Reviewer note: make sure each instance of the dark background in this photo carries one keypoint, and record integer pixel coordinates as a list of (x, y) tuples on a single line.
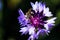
[(11, 27)]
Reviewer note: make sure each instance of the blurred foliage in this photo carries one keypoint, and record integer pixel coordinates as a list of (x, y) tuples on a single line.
[(0, 16), (55, 1), (1, 28), (0, 5), (1, 33), (58, 17), (1, 9), (13, 3), (10, 38), (25, 5)]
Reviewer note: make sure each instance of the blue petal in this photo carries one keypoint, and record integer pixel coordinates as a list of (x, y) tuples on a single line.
[(21, 13), (22, 18)]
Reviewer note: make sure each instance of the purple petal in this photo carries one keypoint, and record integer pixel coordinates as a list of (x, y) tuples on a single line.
[(22, 18), (46, 12), (32, 4), (41, 6), (24, 30), (42, 32), (31, 30), (52, 20), (35, 6), (31, 37), (50, 23)]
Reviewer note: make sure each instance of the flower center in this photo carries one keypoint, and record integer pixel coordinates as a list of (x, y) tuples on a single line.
[(37, 19), (34, 21)]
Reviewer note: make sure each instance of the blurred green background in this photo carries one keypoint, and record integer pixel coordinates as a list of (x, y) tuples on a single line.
[(9, 26)]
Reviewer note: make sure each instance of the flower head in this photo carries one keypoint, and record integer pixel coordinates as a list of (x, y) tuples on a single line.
[(36, 20)]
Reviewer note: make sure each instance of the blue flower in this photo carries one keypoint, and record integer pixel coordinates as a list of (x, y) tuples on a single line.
[(36, 20)]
